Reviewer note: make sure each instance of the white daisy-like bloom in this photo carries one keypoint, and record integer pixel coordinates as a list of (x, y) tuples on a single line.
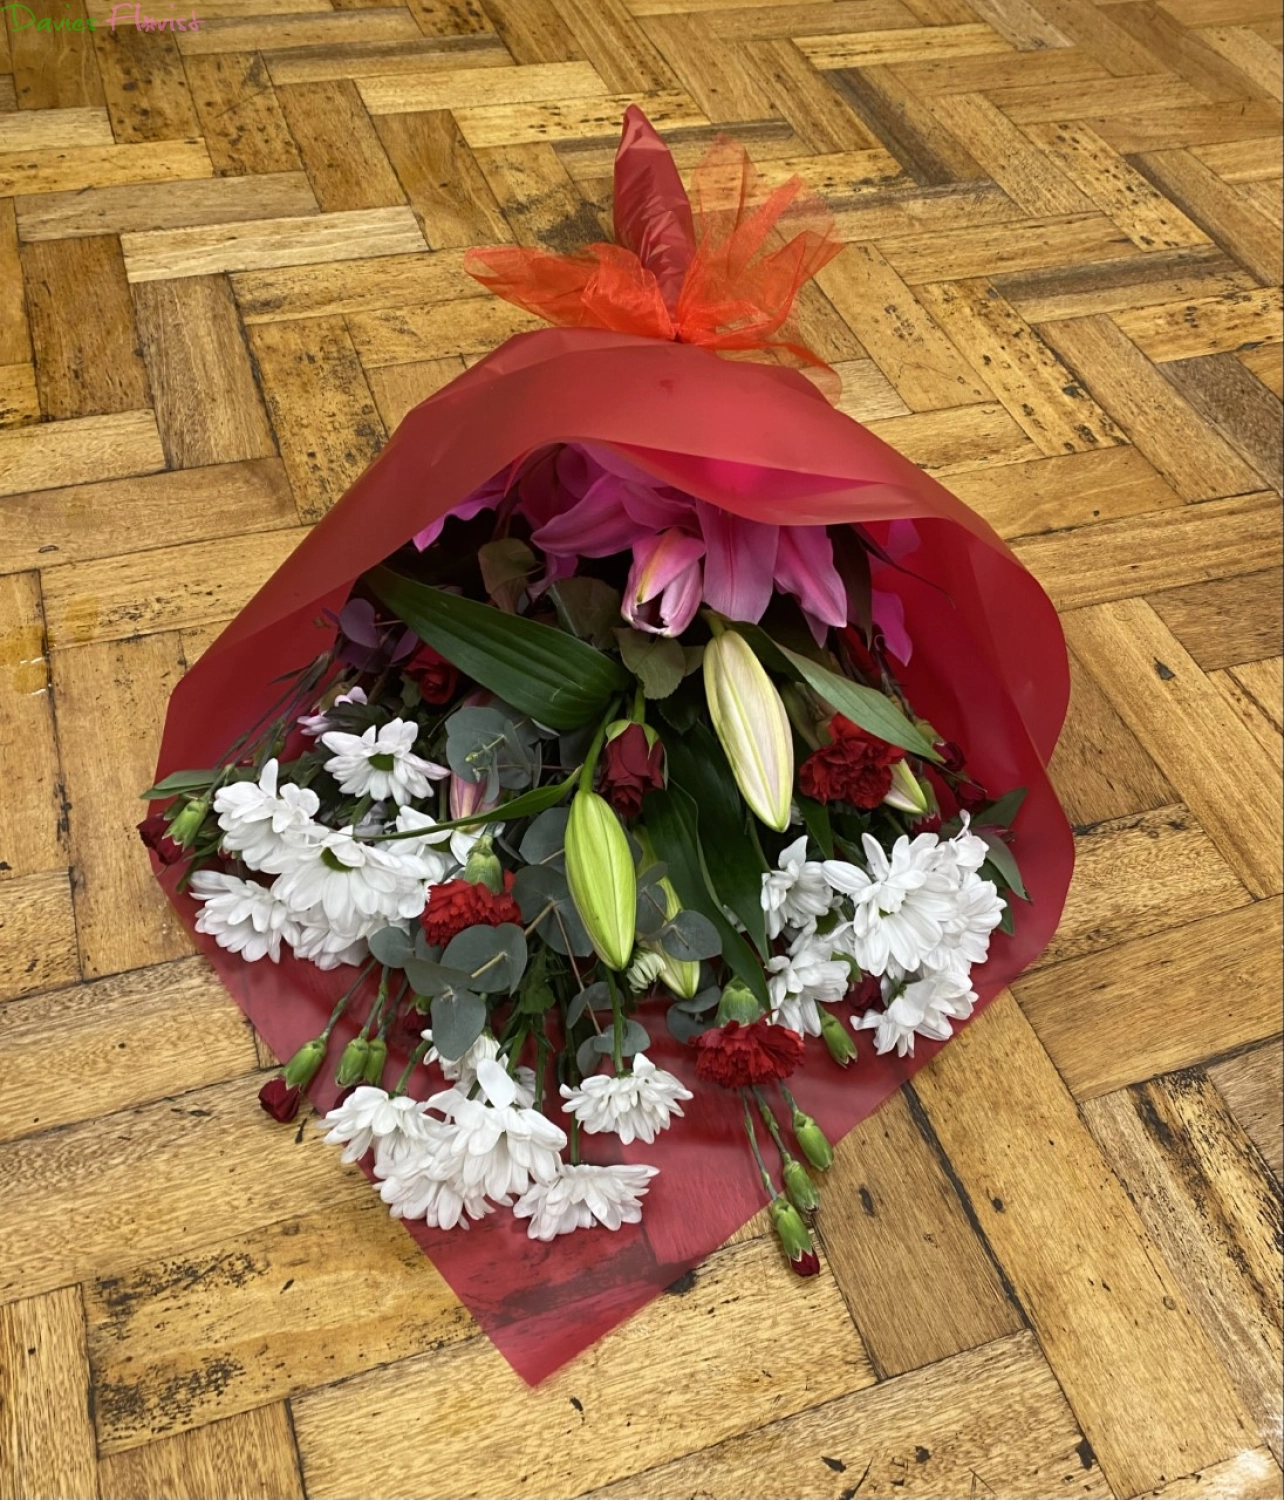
[(422, 1192), (264, 823), (315, 939), (357, 885), (579, 1197), (635, 1106), (422, 857), (967, 852), (802, 979), (315, 725), (500, 1145), (381, 762), (977, 911), (924, 1007), (399, 1130), (463, 1069), (241, 916), (899, 903), (797, 893)]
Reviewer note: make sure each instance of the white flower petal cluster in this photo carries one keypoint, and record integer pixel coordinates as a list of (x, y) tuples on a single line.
[(315, 725), (241, 915), (499, 1144), (262, 824), (381, 762), (369, 1119), (922, 1007), (635, 1106), (808, 975), (796, 894), (579, 1197)]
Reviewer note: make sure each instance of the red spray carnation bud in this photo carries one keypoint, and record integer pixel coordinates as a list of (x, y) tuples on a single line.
[(154, 832), (459, 904), (436, 678), (279, 1100), (736, 1055), (632, 766), (854, 767)]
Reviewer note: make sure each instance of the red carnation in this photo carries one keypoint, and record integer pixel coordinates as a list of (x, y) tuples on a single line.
[(735, 1055), (854, 767), (279, 1100), (154, 832), (435, 677), (459, 904), (631, 767)]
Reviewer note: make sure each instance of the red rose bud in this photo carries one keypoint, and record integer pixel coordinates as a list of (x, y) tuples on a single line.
[(279, 1099), (800, 1188), (154, 832), (632, 766), (812, 1141), (376, 1057), (854, 767), (352, 1065), (869, 991), (841, 1044), (794, 1238), (435, 677), (302, 1067)]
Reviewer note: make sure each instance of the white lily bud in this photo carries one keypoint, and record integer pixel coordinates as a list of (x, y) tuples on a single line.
[(751, 722), (907, 794)]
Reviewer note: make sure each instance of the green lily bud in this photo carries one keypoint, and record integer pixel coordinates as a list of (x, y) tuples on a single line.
[(738, 1003), (303, 1066), (794, 1237), (352, 1065), (375, 1059), (682, 975), (188, 823), (812, 1141), (751, 722), (841, 1043), (600, 873), (907, 795), (483, 866), (801, 1189)]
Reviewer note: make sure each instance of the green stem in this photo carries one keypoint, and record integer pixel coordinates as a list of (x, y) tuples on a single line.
[(345, 998), (416, 1057), (575, 1141), (639, 705), (589, 768), (767, 1183), (617, 1021), (773, 1128)]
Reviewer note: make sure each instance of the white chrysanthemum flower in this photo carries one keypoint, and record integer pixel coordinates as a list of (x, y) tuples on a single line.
[(923, 1008), (355, 884), (463, 1069), (241, 916), (797, 893), (399, 1130), (500, 1145), (315, 939), (967, 852), (636, 1106), (581, 1196), (424, 1193), (315, 725), (263, 823), (977, 911), (807, 976), (381, 762), (899, 903)]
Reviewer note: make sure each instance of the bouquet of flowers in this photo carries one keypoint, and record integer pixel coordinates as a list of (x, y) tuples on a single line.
[(636, 763)]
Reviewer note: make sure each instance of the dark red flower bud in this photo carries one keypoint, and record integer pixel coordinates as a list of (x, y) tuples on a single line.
[(279, 1100), (436, 678), (154, 832), (632, 766), (806, 1264), (855, 767), (868, 992)]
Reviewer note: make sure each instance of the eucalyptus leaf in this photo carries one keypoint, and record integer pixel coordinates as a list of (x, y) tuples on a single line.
[(1002, 813), (506, 564), (683, 1026), (430, 978), (636, 1038), (392, 946), (689, 937), (587, 1055), (594, 997), (706, 1000), (657, 661), (542, 671), (493, 957), (457, 1021), (544, 841), (534, 889), (652, 910)]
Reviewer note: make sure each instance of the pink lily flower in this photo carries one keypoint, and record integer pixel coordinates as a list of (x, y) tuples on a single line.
[(666, 575)]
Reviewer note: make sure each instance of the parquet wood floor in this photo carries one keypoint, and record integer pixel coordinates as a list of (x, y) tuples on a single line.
[(229, 263)]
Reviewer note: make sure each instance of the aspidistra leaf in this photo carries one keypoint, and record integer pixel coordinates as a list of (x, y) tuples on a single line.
[(871, 710)]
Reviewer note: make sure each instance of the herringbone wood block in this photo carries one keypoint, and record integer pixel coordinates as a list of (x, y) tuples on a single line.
[(230, 261)]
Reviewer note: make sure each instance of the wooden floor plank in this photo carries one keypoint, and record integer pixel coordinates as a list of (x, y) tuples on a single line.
[(1251, 1084), (31, 832), (250, 1455)]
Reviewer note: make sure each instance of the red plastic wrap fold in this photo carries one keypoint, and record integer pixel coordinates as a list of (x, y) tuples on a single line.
[(989, 670), (723, 272)]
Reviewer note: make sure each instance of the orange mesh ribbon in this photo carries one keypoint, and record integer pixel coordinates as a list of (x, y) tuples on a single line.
[(722, 268)]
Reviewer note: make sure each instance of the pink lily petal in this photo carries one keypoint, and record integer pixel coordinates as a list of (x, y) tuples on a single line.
[(657, 561), (805, 568), (486, 498), (889, 616), (679, 602), (659, 507), (595, 526), (739, 563)]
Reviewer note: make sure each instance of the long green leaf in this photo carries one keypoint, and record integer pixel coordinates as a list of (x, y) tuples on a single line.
[(560, 681), (671, 822), (537, 800), (872, 710)]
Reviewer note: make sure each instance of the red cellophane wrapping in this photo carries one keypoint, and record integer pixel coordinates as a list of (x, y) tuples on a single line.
[(633, 369)]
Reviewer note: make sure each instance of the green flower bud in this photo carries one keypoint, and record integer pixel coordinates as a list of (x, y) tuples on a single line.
[(483, 866), (841, 1043), (375, 1059), (303, 1066), (352, 1065), (801, 1189), (185, 827), (682, 975), (738, 1003), (794, 1237), (603, 882), (907, 794), (751, 722), (812, 1141)]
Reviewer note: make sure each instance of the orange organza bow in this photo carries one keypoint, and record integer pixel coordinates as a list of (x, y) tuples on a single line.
[(723, 271)]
